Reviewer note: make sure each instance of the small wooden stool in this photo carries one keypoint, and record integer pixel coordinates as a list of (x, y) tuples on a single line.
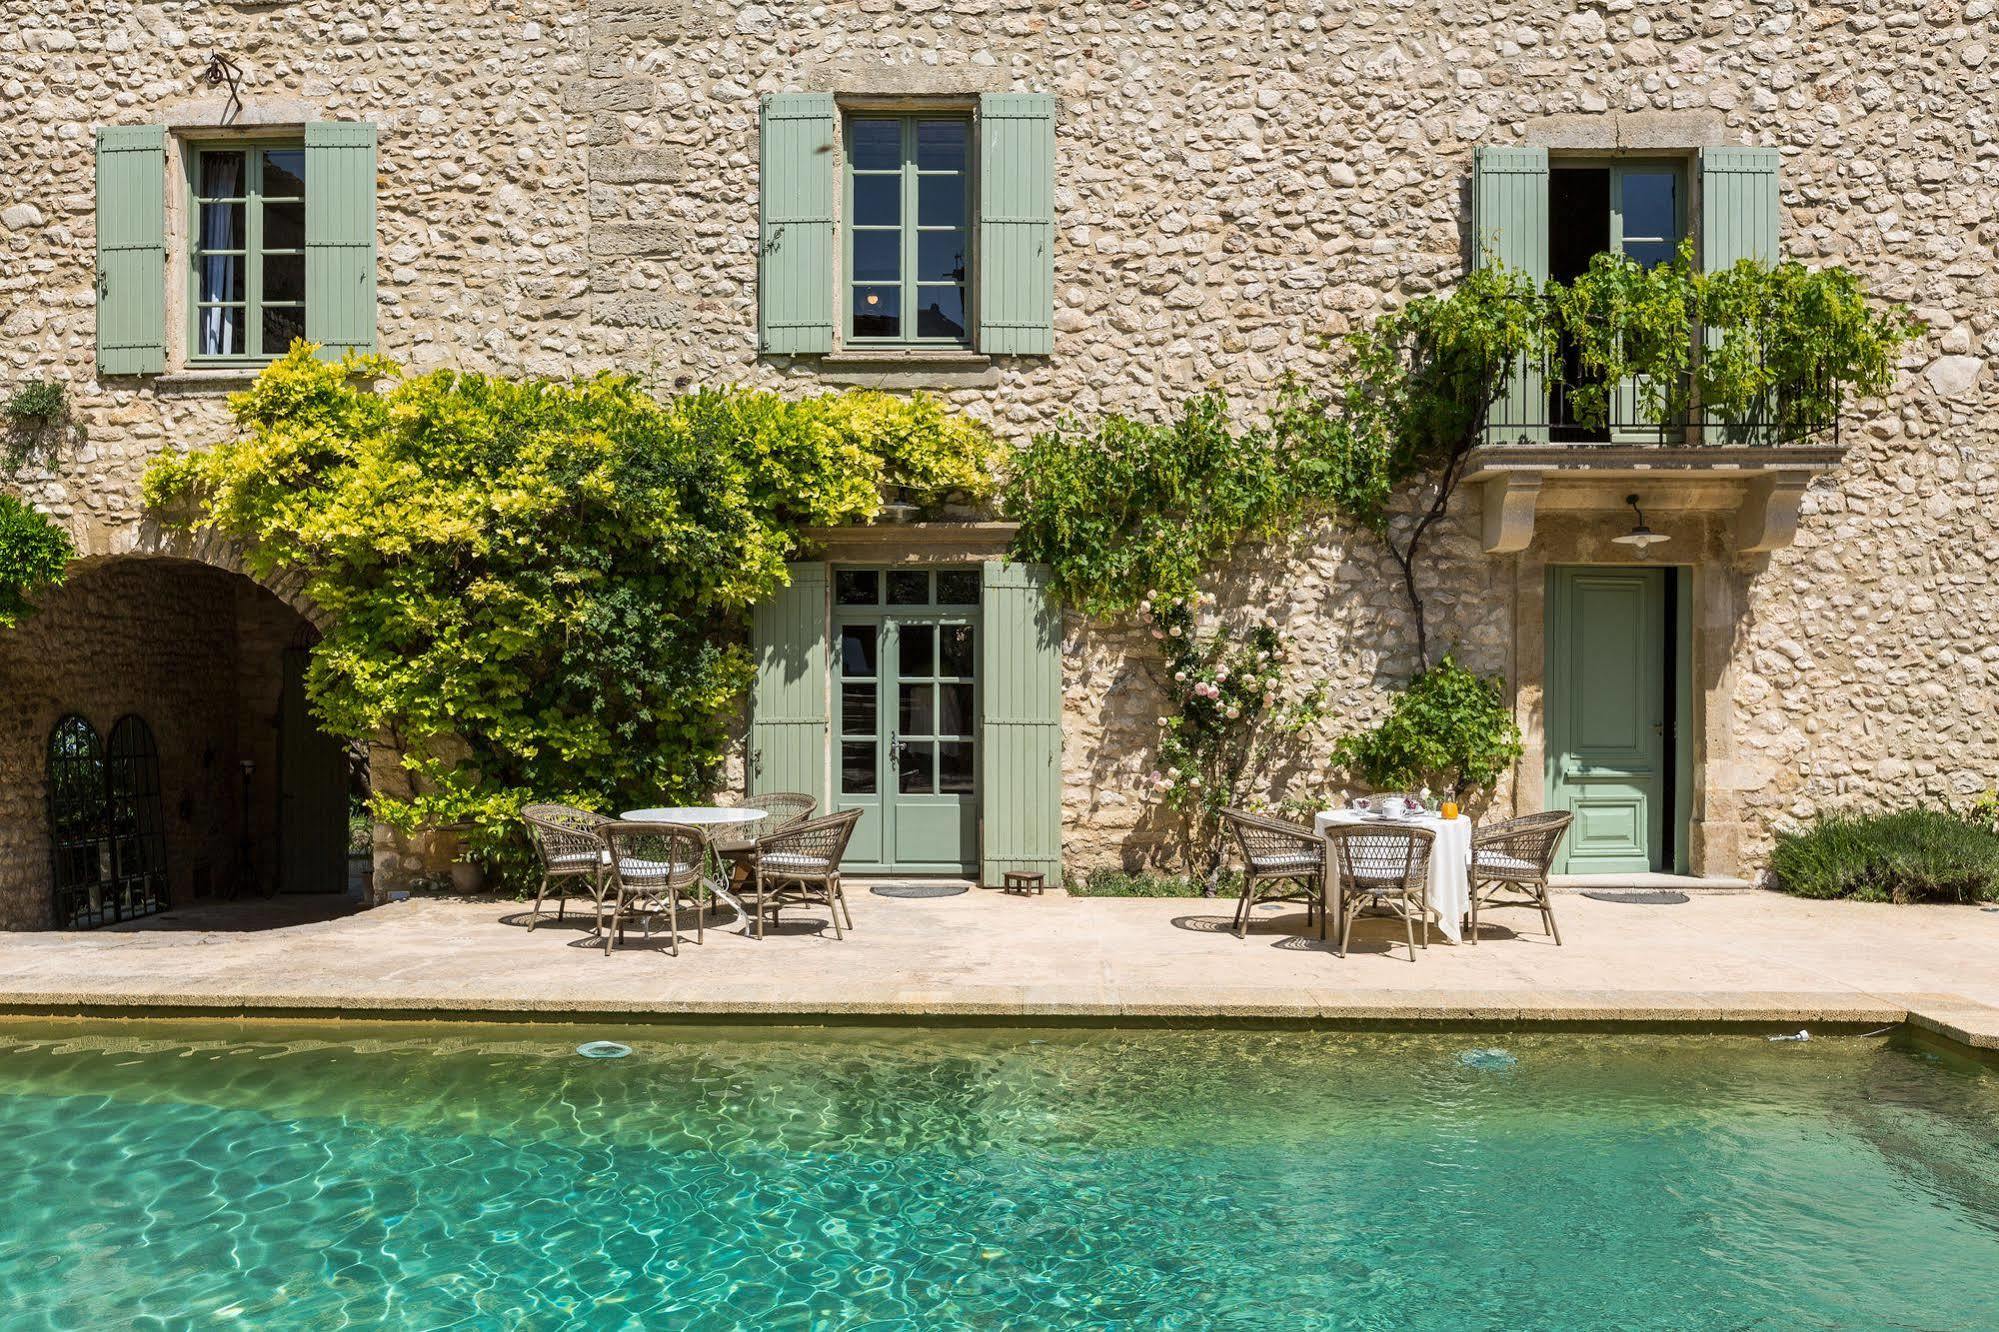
[(1020, 881)]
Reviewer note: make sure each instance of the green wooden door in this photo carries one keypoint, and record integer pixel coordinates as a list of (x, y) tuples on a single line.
[(906, 708), (1607, 757), (312, 793)]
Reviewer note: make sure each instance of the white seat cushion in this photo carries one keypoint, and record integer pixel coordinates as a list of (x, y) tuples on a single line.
[(1495, 865), (572, 859), (791, 860), (1299, 860), (632, 868)]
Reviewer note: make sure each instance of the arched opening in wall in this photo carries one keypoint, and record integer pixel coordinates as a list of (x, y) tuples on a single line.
[(166, 770)]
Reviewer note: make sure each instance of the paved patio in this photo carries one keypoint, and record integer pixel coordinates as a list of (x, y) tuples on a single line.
[(1724, 956)]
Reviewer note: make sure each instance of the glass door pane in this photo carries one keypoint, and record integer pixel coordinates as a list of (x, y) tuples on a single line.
[(860, 713)]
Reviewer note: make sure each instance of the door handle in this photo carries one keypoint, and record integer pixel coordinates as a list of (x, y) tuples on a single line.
[(894, 751)]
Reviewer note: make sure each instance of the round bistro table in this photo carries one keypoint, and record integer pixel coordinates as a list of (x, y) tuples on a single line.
[(707, 817)]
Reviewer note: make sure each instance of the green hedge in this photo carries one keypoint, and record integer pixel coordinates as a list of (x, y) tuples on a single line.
[(1147, 883), (1912, 855)]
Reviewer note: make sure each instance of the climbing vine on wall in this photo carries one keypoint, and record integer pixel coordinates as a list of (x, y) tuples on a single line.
[(34, 555), (535, 588)]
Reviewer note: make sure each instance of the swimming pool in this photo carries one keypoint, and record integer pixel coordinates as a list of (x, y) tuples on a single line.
[(484, 1176)]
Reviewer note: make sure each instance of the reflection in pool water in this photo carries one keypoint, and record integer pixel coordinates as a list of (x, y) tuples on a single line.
[(480, 1176)]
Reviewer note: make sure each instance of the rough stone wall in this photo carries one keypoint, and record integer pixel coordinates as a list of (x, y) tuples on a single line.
[(566, 186)]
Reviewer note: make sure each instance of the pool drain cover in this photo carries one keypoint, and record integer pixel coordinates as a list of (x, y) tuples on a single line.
[(918, 889), (1645, 897), (603, 1050)]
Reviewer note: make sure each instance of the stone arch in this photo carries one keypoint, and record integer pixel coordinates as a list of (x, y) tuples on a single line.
[(150, 538)]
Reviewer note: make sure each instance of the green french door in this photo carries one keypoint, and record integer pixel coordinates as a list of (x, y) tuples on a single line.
[(905, 702), (1618, 689)]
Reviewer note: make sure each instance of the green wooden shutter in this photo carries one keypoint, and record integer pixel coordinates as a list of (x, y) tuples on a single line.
[(1020, 723), (1738, 206), (131, 249), (1739, 221), (1016, 289), (788, 711), (1509, 208), (795, 206), (340, 236)]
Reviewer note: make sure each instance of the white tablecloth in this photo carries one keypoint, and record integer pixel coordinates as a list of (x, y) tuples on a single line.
[(1449, 890)]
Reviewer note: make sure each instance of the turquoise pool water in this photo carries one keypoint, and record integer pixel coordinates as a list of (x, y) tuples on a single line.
[(156, 1175)]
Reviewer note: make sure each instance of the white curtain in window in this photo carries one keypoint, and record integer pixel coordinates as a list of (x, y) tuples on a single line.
[(222, 275)]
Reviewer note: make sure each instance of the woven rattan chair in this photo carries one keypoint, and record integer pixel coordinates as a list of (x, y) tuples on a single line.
[(1510, 862), (1281, 862), (653, 867), (781, 810), (801, 866), (567, 840), (1384, 866)]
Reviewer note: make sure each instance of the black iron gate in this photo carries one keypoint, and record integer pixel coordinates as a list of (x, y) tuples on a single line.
[(106, 836)]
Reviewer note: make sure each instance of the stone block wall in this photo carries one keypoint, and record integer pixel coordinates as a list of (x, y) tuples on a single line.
[(571, 184)]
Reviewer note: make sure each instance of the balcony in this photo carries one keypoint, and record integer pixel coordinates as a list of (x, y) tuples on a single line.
[(1548, 459)]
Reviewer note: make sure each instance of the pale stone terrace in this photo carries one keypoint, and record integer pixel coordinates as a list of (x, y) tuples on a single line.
[(1724, 956)]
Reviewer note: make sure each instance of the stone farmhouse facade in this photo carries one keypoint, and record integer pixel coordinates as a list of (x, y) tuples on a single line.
[(1033, 209)]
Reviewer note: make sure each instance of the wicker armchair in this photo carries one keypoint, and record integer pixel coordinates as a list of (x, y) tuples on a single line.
[(1281, 862), (567, 840), (781, 810), (654, 866), (1510, 862), (801, 866), (1384, 867)]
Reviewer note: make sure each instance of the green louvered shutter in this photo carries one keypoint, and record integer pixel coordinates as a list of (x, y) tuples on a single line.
[(340, 236), (1016, 290), (1739, 214), (788, 711), (1020, 723), (131, 249), (795, 207), (1509, 208)]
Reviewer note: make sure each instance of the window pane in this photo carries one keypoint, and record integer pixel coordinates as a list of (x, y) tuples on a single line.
[(1650, 209), (877, 201), (875, 145), (954, 767), (282, 323), (877, 312), (221, 176), (940, 312), (857, 709), (941, 256), (916, 712), (219, 277), (857, 649), (284, 226), (222, 226), (917, 768), (940, 145), (940, 201), (954, 709), (877, 256), (855, 587), (958, 651), (857, 767), (284, 278), (918, 654), (909, 587), (218, 331), (284, 172), (958, 587)]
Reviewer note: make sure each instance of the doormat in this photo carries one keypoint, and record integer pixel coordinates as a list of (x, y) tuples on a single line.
[(919, 889), (1638, 897)]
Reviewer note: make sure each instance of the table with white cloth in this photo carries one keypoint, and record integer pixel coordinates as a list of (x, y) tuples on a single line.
[(703, 818), (1448, 893)]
